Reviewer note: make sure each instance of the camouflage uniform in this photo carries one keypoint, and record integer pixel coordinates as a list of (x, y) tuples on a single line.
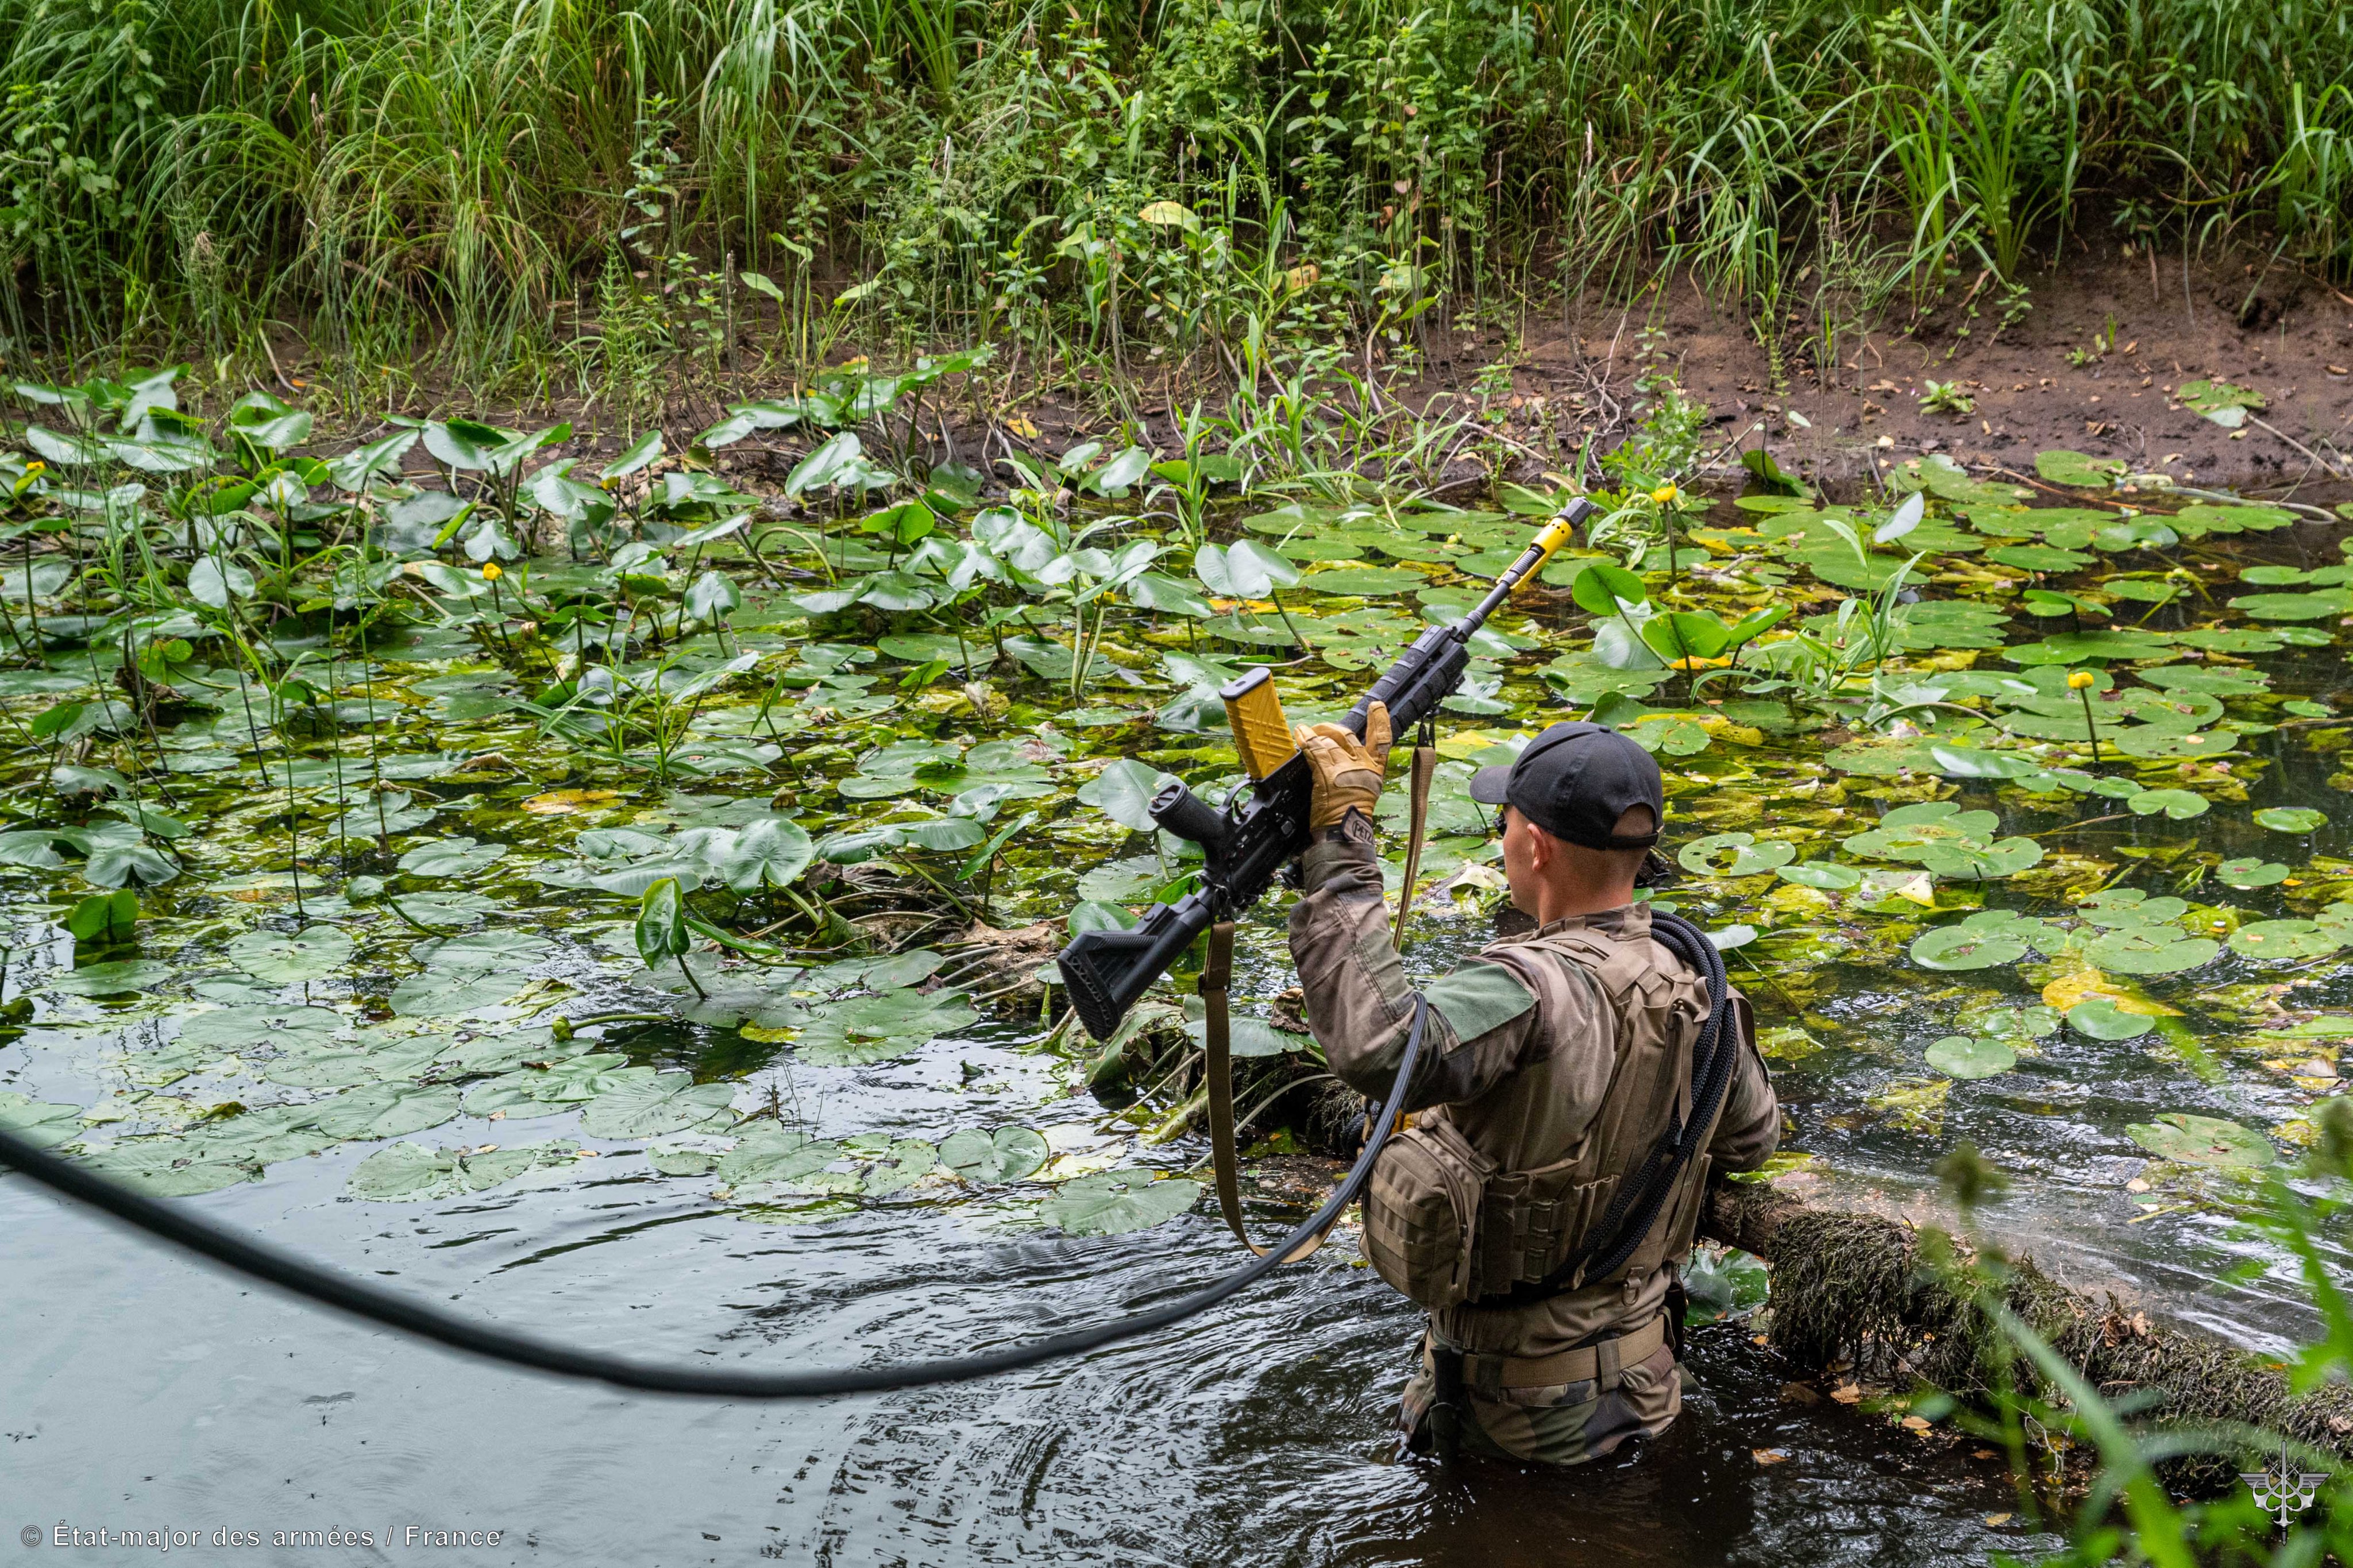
[(1520, 1055)]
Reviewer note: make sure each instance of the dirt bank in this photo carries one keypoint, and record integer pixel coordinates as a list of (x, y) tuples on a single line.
[(2284, 334)]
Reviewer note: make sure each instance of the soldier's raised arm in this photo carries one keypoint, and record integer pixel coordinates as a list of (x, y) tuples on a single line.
[(1359, 1003)]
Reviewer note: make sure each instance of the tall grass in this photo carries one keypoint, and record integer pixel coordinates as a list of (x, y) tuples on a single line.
[(434, 186)]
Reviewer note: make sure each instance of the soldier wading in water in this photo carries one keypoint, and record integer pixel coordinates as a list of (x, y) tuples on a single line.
[(1552, 1064)]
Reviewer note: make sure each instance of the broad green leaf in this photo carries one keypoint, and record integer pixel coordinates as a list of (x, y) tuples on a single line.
[(902, 1163), (1008, 1154), (1110, 1203), (1969, 1057), (666, 1102), (451, 857), (2143, 949), (2102, 1019), (113, 979), (384, 1111), (1124, 792), (2203, 1140), (2221, 402), (1734, 854), (482, 952), (2282, 940), (260, 1028), (869, 1029), (2290, 819), (114, 865), (45, 1124), (2178, 804), (769, 853), (2077, 468), (1964, 947), (410, 1172), (288, 958), (560, 1086), (1599, 588), (168, 1168), (330, 1066)]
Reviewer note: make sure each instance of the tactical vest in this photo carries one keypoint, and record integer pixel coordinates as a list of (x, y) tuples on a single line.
[(1444, 1225)]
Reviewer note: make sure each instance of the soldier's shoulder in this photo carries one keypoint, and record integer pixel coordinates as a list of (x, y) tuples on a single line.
[(1481, 995)]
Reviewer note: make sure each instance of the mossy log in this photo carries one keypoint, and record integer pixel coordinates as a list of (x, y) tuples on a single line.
[(1851, 1285)]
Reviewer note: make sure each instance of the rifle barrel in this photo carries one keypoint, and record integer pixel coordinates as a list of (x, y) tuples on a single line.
[(1554, 535)]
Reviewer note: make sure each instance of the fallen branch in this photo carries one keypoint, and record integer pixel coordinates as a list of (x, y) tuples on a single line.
[(1852, 1286)]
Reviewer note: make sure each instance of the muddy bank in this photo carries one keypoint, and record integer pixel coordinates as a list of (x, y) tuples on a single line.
[(2088, 368)]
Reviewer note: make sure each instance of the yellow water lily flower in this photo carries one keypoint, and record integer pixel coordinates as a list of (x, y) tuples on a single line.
[(2078, 679), (1664, 494), (490, 573)]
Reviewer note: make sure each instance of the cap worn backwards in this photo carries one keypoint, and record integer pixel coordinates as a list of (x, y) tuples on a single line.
[(1575, 781)]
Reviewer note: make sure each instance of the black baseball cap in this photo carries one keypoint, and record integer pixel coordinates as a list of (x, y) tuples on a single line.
[(1575, 781)]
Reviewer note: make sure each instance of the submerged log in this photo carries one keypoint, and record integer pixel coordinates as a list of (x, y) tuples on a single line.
[(1848, 1285)]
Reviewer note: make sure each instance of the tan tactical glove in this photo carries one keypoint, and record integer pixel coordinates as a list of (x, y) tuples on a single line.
[(1349, 772)]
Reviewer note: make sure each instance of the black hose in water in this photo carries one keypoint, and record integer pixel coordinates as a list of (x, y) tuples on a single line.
[(335, 1288)]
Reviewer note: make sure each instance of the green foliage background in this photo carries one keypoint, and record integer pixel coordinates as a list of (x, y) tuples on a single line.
[(488, 177)]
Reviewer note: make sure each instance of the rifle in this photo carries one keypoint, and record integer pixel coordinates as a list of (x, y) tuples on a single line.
[(1250, 841)]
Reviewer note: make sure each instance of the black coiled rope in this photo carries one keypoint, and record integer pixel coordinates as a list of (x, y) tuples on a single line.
[(1634, 1208), (373, 1302)]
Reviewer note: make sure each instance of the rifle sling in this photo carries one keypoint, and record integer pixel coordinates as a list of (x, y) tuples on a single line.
[(1218, 1068), (1425, 766)]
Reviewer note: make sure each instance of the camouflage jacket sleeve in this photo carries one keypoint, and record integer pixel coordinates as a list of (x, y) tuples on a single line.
[(1359, 1004), (1750, 1126)]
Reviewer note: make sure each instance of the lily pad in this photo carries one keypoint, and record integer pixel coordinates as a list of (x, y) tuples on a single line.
[(260, 1028), (286, 958), (1965, 947), (880, 1029), (1970, 1056), (451, 857), (42, 1123), (1124, 792), (168, 1168), (2203, 1140), (384, 1111), (1110, 1203), (898, 1164), (349, 1066), (560, 1086), (115, 979), (1005, 1155), (1734, 854), (2102, 1019), (2142, 949), (2177, 805), (1824, 876), (646, 1108), (2285, 940), (410, 1172), (2290, 819)]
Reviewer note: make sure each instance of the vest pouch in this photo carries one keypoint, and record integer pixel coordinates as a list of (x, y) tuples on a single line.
[(1422, 1214)]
